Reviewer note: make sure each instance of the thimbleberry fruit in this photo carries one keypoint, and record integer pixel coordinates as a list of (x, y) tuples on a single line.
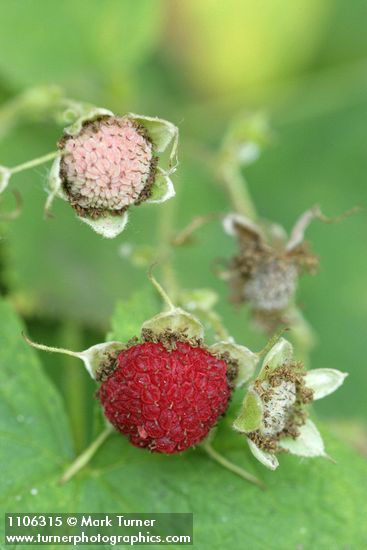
[(166, 400), (107, 166), (108, 163)]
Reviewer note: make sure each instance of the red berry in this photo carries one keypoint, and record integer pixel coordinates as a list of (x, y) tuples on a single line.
[(165, 400)]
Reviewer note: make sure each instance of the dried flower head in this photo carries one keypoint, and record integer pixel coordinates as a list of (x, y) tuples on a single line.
[(274, 414), (264, 273), (108, 163)]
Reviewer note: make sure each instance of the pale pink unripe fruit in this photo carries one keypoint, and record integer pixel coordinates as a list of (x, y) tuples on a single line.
[(108, 166)]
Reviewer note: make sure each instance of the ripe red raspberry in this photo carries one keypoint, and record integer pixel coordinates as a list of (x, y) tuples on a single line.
[(165, 400)]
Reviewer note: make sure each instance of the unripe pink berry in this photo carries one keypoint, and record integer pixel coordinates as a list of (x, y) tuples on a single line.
[(108, 166)]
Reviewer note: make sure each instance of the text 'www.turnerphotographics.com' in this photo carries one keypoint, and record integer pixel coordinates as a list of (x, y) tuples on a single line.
[(109, 529)]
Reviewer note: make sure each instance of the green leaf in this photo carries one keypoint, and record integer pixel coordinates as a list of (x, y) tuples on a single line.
[(308, 504), (130, 314), (35, 437)]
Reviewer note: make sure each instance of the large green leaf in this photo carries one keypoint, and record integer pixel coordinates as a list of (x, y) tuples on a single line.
[(308, 505), (35, 439)]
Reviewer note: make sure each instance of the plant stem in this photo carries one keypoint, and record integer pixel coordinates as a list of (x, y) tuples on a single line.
[(232, 467), (34, 162), (73, 382), (302, 334), (86, 455), (227, 170), (165, 231), (163, 294), (237, 189), (187, 233), (51, 349)]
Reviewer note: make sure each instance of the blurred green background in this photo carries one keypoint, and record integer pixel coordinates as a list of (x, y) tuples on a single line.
[(198, 64)]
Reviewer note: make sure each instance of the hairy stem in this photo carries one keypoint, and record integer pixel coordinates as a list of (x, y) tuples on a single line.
[(165, 231), (302, 334), (237, 189), (34, 162), (73, 381), (163, 294), (232, 467), (188, 232), (85, 457), (51, 349)]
